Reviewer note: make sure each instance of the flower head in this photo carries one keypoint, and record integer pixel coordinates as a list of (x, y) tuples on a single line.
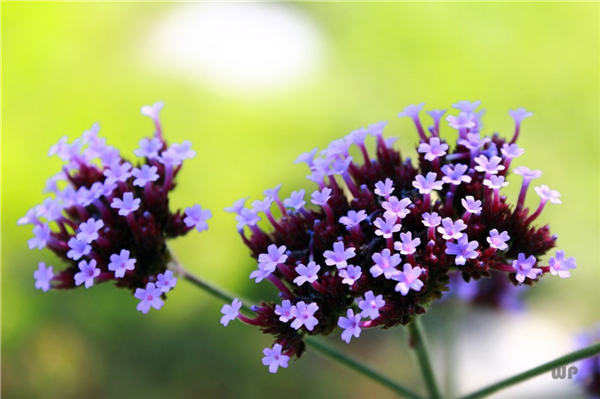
[(274, 359)]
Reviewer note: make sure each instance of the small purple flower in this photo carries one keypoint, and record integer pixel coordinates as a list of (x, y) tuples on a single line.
[(237, 206), (41, 234), (307, 273), (273, 257), (473, 142), (395, 207), (296, 200), (412, 111), (43, 275), (427, 184), (455, 174), (495, 182), (261, 273), (78, 249), (127, 205), (434, 149), (431, 220), (273, 192), (386, 228), (144, 175), (466, 106), (121, 263), (274, 359), (247, 217), (408, 279), (284, 311), (88, 231), (321, 197), (306, 157), (166, 282), (29, 218), (525, 268), (491, 166), (527, 173), (353, 219), (50, 209), (511, 151), (184, 150), (463, 250), (498, 240), (148, 148), (170, 158), (230, 312), (450, 230), (339, 256), (350, 325), (436, 115), (88, 272), (262, 206), (197, 217), (118, 172), (385, 263), (519, 114), (559, 265), (407, 246), (149, 297), (357, 137), (465, 120), (471, 205), (546, 194), (110, 156), (304, 315), (152, 111), (350, 274), (370, 305), (384, 189), (339, 166)]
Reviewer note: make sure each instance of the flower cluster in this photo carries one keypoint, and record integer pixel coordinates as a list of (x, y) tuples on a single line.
[(109, 219), (384, 235)]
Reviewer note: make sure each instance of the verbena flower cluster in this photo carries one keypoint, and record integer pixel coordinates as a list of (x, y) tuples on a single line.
[(109, 219), (383, 235)]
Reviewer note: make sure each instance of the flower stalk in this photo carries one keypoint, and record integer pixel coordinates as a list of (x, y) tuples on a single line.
[(417, 342)]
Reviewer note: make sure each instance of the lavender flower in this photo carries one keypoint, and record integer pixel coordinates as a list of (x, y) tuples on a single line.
[(230, 312), (149, 297), (350, 325), (43, 277), (274, 359), (371, 304), (307, 273)]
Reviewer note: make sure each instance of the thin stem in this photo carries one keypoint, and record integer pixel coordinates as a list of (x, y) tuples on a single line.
[(417, 342), (318, 345), (561, 361)]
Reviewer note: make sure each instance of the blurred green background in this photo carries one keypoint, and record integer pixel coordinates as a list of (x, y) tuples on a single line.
[(252, 86)]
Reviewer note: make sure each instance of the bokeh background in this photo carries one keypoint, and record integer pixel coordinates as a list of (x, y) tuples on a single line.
[(252, 86)]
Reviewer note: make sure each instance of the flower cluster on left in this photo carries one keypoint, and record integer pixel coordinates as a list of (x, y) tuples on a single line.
[(109, 219)]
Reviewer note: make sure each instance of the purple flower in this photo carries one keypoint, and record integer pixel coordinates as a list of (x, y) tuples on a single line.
[(396, 208), (152, 111), (431, 220), (471, 205), (350, 325), (353, 219), (473, 142), (498, 240), (321, 197), (41, 234), (230, 312), (385, 263), (165, 281), (339, 166), (466, 106), (273, 257), (284, 311), (495, 182), (386, 228), (262, 206), (307, 273), (339, 256), (511, 151), (525, 268), (78, 249), (121, 263), (144, 175), (559, 265), (304, 315), (408, 279), (451, 230), (273, 192), (455, 174), (43, 276), (50, 209), (436, 115), (428, 183), (519, 114), (463, 250), (274, 359), (88, 272), (434, 149), (237, 206), (149, 297), (296, 200), (350, 274), (370, 305), (357, 137), (527, 173), (197, 217), (412, 111), (384, 189), (247, 217), (463, 121), (491, 166), (407, 246), (29, 218), (127, 205), (118, 173), (546, 194), (184, 150), (88, 231), (149, 148), (306, 157)]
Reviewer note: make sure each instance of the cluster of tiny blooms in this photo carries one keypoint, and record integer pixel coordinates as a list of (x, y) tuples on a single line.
[(381, 235), (109, 219), (588, 370)]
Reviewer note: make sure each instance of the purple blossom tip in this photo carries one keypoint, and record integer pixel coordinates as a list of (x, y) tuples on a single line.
[(274, 359), (408, 279), (463, 250), (546, 194), (524, 268), (561, 266), (152, 110), (350, 325), (412, 111), (197, 217), (43, 276), (126, 205), (466, 106), (149, 297), (230, 312), (339, 256), (296, 200), (519, 114), (370, 305), (304, 315), (121, 263), (87, 273), (434, 149)]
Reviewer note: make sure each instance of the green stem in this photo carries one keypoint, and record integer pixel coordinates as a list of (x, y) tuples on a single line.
[(561, 361), (318, 345), (417, 342)]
